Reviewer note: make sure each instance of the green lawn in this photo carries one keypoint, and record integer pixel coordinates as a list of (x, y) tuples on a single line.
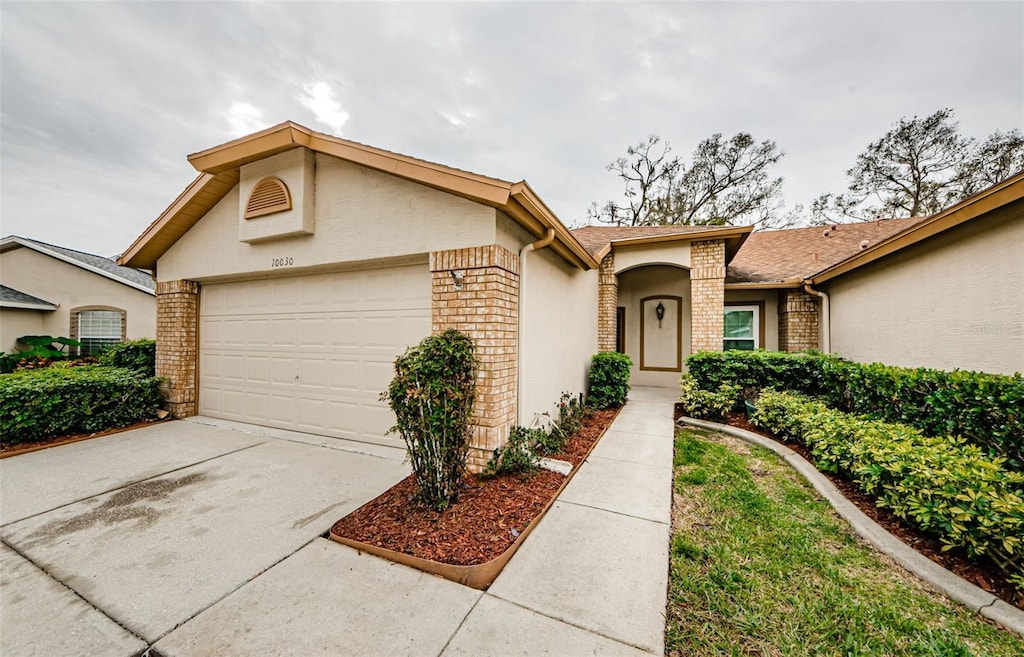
[(760, 565)]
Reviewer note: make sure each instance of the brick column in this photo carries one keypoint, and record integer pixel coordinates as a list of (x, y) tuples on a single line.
[(607, 304), (486, 308), (798, 321), (177, 345), (707, 295)]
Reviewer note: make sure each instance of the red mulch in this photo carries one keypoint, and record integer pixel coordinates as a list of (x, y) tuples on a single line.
[(488, 517), (24, 447), (985, 574)]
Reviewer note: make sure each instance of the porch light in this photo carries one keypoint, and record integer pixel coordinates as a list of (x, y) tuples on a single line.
[(660, 312), (457, 278)]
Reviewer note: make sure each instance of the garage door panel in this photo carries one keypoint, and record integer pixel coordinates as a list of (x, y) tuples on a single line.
[(311, 353)]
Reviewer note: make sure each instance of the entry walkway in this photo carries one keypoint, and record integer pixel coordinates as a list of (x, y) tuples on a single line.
[(591, 579)]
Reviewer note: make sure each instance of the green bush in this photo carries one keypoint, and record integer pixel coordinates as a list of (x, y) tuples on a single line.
[(518, 455), (942, 485), (41, 351), (706, 404), (55, 402), (431, 395), (138, 355), (609, 379), (986, 409)]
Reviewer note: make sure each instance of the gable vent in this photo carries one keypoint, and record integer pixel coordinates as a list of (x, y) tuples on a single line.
[(270, 195)]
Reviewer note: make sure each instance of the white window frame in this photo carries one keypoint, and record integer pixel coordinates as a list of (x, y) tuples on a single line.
[(82, 337), (756, 325)]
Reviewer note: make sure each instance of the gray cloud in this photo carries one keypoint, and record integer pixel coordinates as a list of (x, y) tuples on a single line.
[(102, 102)]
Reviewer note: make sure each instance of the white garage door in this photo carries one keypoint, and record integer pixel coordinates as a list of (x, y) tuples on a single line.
[(310, 353)]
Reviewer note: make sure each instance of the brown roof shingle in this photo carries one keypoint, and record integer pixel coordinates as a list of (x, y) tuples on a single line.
[(793, 254), (595, 238)]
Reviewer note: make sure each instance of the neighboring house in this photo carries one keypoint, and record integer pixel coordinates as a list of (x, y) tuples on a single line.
[(297, 265), (52, 290)]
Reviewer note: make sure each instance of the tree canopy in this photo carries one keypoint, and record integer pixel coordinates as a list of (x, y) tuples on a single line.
[(919, 167), (727, 181)]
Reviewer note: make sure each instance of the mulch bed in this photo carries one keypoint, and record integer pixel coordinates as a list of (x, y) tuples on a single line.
[(487, 519), (26, 447), (985, 574)]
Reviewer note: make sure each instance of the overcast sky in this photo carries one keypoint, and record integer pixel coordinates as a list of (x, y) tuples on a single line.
[(102, 102)]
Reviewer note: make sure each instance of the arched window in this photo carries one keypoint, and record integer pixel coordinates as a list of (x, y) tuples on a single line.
[(97, 328)]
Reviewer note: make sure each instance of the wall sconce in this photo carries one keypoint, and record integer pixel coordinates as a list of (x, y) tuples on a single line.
[(457, 278), (660, 312)]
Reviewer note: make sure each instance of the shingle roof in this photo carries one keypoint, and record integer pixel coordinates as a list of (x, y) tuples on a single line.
[(794, 254), (133, 276), (595, 238), (8, 295)]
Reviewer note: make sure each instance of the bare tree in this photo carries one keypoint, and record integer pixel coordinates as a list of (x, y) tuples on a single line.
[(727, 182)]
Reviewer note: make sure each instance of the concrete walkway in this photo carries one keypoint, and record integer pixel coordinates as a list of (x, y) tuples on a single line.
[(591, 579)]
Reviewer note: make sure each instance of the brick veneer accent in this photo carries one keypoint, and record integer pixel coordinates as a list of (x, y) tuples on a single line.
[(707, 295), (487, 310), (607, 304), (798, 320), (177, 344)]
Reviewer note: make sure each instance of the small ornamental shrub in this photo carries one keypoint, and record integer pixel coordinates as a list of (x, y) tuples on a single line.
[(609, 379), (432, 398), (943, 485), (518, 455), (706, 404), (37, 404), (138, 355), (40, 352), (570, 414)]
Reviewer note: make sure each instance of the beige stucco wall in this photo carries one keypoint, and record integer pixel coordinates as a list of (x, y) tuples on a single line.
[(558, 306), (360, 215), (770, 317), (641, 282), (16, 322), (72, 287), (953, 301), (671, 253)]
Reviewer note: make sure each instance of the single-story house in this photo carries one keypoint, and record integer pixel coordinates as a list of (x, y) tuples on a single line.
[(297, 265), (52, 290)]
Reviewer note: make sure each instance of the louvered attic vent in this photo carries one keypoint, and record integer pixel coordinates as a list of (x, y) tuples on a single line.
[(270, 195)]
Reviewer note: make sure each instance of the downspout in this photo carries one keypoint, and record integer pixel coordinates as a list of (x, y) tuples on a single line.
[(534, 246), (826, 323)]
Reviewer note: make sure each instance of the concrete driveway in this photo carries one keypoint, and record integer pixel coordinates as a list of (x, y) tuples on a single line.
[(110, 544), (204, 537)]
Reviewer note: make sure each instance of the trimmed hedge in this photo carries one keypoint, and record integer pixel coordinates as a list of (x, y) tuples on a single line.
[(138, 355), (942, 485), (609, 379), (712, 405), (38, 404), (986, 409)]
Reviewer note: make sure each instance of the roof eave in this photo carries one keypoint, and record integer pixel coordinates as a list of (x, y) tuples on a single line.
[(734, 236), (7, 241), (48, 307), (980, 204)]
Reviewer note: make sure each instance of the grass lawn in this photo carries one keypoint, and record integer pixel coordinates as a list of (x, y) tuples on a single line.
[(760, 565)]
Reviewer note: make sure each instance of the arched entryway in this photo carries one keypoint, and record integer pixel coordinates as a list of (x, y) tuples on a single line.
[(654, 310)]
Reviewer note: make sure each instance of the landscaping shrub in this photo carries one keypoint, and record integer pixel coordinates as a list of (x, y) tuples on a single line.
[(54, 402), (943, 485), (609, 379), (518, 455), (138, 355), (986, 409), (40, 352), (431, 395), (712, 405), (570, 414)]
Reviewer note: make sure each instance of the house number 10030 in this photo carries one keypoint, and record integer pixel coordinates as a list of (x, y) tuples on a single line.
[(282, 262)]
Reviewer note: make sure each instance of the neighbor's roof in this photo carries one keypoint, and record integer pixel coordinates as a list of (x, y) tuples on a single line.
[(105, 267), (1001, 195), (598, 240), (219, 173), (11, 298)]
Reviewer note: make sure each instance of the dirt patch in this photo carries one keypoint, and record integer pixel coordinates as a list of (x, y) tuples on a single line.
[(984, 574), (487, 519)]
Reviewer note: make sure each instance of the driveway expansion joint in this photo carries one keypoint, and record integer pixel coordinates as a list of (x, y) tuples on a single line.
[(949, 583)]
